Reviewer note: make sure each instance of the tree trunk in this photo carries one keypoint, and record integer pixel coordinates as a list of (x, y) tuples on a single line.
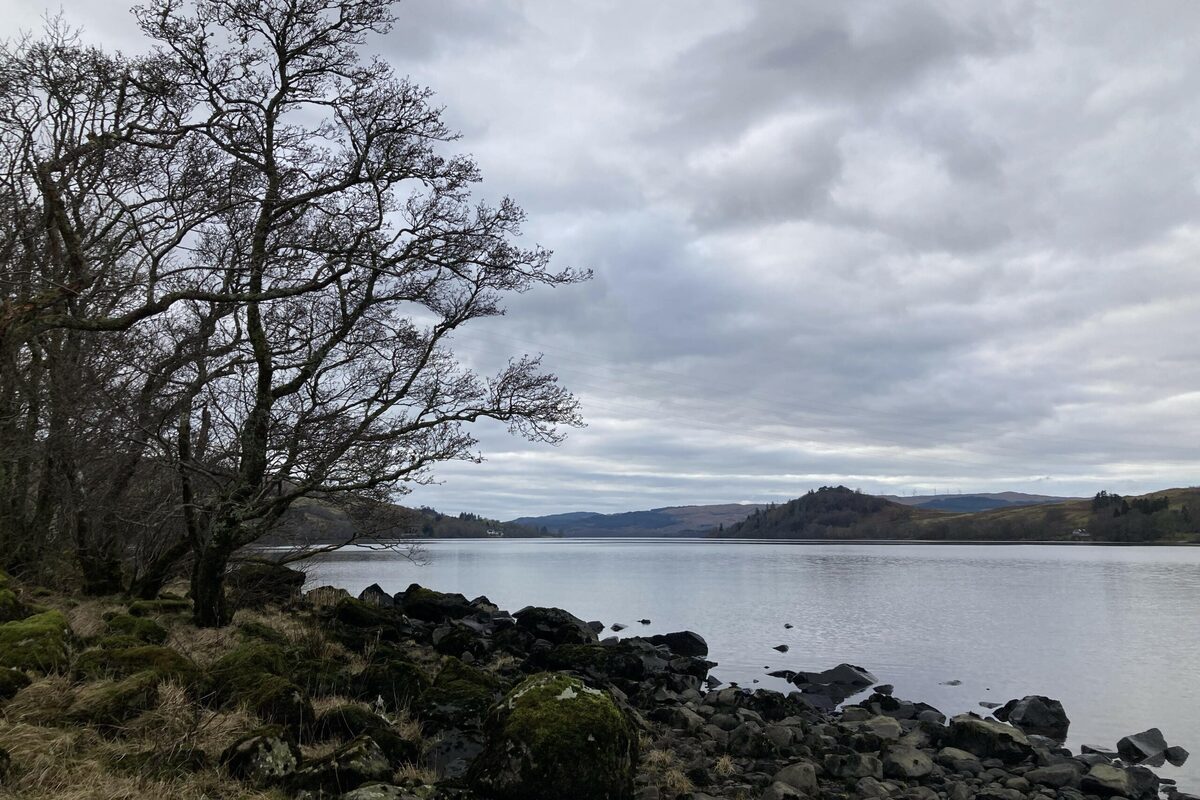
[(149, 581), (209, 607)]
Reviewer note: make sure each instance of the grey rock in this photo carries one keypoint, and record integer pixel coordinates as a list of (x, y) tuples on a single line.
[(781, 791), (959, 761), (1056, 776), (682, 643), (376, 596), (801, 776), (262, 760), (907, 763), (379, 791), (854, 765), (988, 738), (1108, 780), (1176, 755), (357, 762), (883, 727)]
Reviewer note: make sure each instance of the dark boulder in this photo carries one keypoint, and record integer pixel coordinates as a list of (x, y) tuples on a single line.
[(11, 682), (344, 723), (393, 682), (376, 596), (988, 739), (555, 625), (1141, 746), (425, 604), (683, 643), (1107, 780), (1036, 714)]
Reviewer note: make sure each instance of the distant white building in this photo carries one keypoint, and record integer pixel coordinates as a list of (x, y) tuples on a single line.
[(494, 532)]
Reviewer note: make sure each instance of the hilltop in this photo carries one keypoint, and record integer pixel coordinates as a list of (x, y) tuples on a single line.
[(836, 512), (667, 521), (976, 501)]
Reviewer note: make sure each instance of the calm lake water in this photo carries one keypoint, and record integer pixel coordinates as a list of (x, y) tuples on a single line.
[(1112, 632)]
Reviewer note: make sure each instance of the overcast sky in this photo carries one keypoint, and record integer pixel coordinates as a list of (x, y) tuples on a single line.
[(904, 246)]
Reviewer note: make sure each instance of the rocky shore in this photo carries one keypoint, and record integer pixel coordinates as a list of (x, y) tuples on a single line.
[(425, 696)]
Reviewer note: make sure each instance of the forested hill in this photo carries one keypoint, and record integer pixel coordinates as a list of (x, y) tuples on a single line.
[(831, 512), (836, 512)]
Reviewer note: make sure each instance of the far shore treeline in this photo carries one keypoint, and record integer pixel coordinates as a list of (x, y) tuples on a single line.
[(837, 512)]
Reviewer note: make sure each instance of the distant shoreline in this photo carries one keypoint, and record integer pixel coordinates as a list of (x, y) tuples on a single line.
[(707, 540)]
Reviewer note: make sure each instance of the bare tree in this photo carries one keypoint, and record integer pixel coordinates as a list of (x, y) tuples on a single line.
[(341, 202)]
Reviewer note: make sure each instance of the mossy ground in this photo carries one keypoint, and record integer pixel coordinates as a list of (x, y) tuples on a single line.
[(116, 701)]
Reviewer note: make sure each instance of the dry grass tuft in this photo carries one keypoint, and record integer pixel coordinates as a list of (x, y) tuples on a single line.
[(42, 702), (676, 781), (87, 618), (412, 773), (659, 758), (725, 765), (202, 645)]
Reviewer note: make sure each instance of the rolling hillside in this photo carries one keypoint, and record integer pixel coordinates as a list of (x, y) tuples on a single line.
[(668, 521), (979, 501)]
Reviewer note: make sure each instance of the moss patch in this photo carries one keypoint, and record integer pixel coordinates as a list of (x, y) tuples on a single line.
[(115, 658), (459, 690), (398, 683), (109, 703), (141, 628), (37, 643)]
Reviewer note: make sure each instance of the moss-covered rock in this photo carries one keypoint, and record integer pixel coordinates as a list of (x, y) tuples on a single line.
[(114, 657), (346, 722), (163, 605), (350, 766), (358, 625), (273, 698), (143, 629), (110, 703), (398, 683), (553, 737), (251, 656), (266, 757), (11, 682), (37, 644), (459, 692), (11, 607), (257, 630)]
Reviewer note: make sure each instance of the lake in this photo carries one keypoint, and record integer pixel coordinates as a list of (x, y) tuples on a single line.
[(1112, 632)]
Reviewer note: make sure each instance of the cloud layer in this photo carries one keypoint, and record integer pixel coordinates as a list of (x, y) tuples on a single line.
[(899, 245)]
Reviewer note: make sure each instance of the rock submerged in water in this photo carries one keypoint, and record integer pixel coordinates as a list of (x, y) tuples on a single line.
[(554, 737), (1141, 746)]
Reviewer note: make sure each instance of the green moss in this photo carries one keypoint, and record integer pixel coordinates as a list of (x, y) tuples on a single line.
[(37, 643), (344, 723), (398, 683), (552, 737), (273, 698), (10, 607), (257, 630), (110, 703), (140, 628), (11, 682), (115, 658), (252, 656), (164, 605), (459, 690)]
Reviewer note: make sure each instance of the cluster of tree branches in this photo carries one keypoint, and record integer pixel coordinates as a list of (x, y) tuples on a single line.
[(230, 269)]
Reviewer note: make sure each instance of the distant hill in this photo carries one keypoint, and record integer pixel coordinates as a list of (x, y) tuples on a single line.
[(310, 521), (980, 501), (668, 521), (838, 513)]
